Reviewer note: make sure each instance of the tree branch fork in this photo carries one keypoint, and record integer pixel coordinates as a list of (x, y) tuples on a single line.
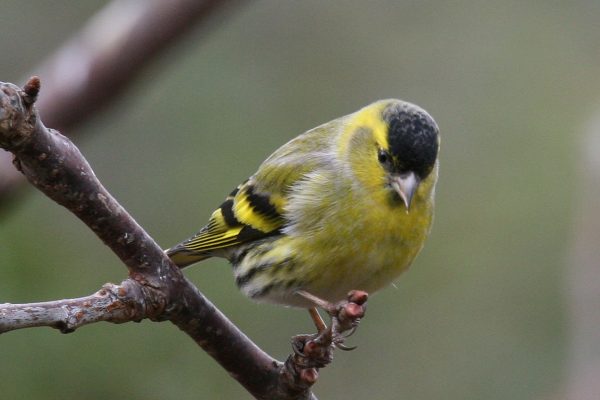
[(155, 289)]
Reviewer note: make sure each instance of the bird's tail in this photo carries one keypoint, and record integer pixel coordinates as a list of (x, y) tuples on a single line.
[(182, 256)]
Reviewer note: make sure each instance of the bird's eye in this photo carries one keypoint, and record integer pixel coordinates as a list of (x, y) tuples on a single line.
[(383, 157)]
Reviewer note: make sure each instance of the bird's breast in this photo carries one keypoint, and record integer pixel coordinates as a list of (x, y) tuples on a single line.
[(360, 245)]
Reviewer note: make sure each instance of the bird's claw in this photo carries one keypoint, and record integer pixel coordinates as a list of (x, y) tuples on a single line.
[(351, 332), (343, 347)]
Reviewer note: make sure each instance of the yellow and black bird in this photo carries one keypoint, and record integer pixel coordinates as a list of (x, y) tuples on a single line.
[(347, 205)]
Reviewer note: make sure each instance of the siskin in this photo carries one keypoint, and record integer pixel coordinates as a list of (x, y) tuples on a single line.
[(347, 205)]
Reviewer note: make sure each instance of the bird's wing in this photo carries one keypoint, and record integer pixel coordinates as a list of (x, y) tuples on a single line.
[(256, 208)]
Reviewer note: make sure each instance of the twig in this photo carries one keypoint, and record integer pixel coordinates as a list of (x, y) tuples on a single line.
[(112, 303)]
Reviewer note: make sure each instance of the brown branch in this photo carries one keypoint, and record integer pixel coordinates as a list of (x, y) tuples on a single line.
[(156, 289), (112, 303), (105, 58)]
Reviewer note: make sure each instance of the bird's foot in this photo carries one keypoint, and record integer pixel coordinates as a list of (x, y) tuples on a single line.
[(316, 351), (312, 351)]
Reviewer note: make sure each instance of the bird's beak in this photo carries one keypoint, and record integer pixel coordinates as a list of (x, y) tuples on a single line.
[(405, 185)]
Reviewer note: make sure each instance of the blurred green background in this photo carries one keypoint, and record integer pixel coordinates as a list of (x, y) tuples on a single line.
[(481, 315)]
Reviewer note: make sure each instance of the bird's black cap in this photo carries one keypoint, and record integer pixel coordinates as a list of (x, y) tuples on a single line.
[(412, 138)]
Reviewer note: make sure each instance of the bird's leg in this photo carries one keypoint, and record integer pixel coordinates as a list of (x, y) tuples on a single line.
[(316, 317)]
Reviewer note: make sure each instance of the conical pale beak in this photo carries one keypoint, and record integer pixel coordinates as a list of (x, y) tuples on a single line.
[(405, 185)]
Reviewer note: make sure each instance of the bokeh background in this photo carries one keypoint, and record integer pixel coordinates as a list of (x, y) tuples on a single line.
[(483, 313)]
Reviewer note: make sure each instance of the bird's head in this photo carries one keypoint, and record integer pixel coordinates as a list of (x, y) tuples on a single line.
[(392, 145)]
